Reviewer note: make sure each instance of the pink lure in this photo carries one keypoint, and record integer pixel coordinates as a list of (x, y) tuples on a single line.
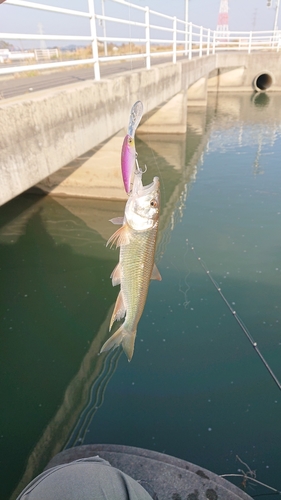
[(128, 158)]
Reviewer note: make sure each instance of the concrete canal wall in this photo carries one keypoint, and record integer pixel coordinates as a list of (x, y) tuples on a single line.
[(45, 131), (260, 71)]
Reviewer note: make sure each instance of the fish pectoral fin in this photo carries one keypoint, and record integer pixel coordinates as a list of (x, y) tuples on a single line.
[(119, 310), (155, 275), (120, 237), (116, 275), (117, 220)]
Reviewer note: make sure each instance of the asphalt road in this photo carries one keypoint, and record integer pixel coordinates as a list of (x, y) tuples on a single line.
[(24, 85)]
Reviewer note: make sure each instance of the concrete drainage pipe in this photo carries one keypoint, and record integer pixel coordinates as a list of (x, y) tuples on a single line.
[(263, 82)]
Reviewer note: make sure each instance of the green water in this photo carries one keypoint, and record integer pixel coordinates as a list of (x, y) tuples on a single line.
[(195, 387)]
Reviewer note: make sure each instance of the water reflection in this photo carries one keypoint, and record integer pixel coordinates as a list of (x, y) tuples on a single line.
[(55, 247), (261, 99), (69, 424), (52, 279), (58, 296), (240, 124), (96, 393)]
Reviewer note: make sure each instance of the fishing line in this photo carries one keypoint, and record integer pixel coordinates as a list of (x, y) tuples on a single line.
[(131, 68), (236, 317)]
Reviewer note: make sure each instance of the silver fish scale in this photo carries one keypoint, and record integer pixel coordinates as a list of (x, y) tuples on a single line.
[(137, 260)]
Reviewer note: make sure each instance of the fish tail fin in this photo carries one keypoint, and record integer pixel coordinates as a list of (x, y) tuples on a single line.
[(127, 339), (128, 344)]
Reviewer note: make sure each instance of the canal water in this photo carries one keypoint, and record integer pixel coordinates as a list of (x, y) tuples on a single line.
[(195, 388)]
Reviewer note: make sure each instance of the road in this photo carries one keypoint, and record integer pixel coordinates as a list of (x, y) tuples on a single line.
[(24, 85)]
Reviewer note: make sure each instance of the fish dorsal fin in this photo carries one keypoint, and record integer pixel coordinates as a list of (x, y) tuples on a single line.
[(119, 310), (120, 237), (155, 275), (117, 220), (116, 275)]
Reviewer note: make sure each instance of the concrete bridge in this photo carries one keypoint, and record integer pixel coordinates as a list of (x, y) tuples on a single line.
[(45, 131)]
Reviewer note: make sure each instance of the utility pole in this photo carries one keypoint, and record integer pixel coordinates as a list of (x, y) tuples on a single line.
[(104, 29), (254, 19), (186, 27), (41, 32), (276, 16)]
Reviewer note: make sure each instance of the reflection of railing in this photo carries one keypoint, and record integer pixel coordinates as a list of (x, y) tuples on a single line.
[(96, 398), (57, 432), (149, 34)]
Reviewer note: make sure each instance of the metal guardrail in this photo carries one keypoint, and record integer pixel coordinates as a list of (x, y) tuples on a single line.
[(178, 37)]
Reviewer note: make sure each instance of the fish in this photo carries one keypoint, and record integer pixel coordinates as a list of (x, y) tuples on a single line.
[(128, 152), (136, 267)]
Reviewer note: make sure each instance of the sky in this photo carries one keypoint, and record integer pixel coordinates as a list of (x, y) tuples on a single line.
[(244, 15)]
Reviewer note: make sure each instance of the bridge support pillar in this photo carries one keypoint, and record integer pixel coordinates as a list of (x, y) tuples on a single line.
[(197, 93), (169, 119), (93, 175), (227, 80)]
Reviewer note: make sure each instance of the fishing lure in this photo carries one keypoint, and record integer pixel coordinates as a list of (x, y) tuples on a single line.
[(128, 153)]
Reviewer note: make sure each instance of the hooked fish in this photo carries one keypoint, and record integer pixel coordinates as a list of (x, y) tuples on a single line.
[(128, 153), (137, 240)]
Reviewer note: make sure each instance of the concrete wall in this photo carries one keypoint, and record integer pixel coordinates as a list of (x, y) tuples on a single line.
[(237, 71), (41, 133)]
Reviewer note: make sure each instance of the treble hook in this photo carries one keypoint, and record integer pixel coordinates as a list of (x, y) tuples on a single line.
[(138, 169)]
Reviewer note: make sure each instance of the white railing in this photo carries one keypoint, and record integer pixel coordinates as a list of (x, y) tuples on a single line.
[(149, 34)]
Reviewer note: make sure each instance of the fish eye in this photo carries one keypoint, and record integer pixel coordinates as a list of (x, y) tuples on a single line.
[(153, 203)]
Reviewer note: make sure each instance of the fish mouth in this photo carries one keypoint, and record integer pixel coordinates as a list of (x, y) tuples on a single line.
[(142, 207), (154, 185)]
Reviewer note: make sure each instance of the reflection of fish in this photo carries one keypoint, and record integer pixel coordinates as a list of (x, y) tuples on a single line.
[(128, 154), (137, 239)]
